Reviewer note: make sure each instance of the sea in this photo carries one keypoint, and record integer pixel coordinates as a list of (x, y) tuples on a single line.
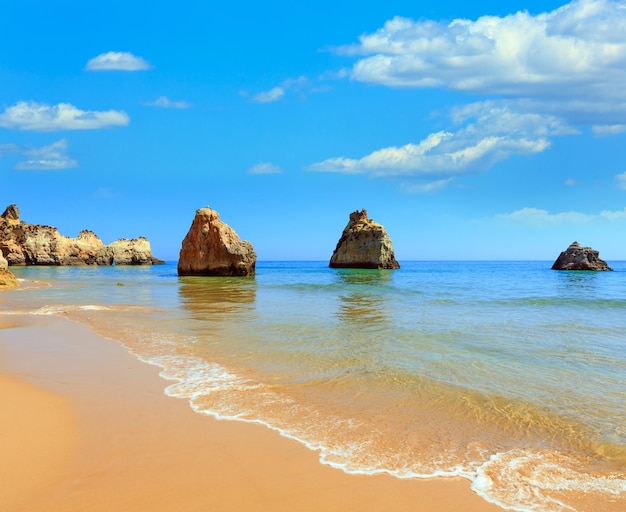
[(508, 374)]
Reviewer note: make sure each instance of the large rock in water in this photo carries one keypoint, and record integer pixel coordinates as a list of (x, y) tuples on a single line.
[(363, 244), (34, 244), (212, 248), (7, 279), (576, 257)]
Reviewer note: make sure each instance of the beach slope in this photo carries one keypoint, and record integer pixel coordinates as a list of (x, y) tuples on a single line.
[(86, 426)]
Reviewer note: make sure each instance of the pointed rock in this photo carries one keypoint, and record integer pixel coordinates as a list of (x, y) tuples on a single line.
[(363, 244), (11, 213), (212, 248), (576, 257)]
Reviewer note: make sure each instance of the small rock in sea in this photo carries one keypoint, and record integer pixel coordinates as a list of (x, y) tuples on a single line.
[(576, 257)]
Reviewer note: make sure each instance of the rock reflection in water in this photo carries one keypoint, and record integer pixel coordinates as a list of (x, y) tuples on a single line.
[(364, 302), (216, 299), (578, 283)]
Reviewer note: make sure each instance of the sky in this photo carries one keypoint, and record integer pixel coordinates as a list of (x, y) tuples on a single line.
[(470, 130)]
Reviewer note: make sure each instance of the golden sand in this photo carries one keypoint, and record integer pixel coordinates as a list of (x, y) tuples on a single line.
[(86, 427)]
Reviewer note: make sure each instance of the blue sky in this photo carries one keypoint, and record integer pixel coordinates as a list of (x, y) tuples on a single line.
[(491, 130)]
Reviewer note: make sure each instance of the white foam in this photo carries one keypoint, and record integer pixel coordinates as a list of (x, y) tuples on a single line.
[(50, 310), (63, 309), (92, 307), (531, 476)]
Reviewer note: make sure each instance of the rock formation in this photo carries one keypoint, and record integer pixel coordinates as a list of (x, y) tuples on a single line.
[(135, 251), (576, 257), (363, 244), (34, 244), (212, 248), (7, 279)]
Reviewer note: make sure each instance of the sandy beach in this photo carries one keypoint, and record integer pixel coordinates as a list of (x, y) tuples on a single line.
[(86, 426)]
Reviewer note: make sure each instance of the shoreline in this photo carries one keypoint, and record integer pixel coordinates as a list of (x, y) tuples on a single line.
[(120, 443)]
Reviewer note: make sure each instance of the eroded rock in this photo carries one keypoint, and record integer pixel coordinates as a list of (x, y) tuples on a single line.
[(364, 244), (212, 248), (35, 244), (134, 251), (7, 279), (576, 257)]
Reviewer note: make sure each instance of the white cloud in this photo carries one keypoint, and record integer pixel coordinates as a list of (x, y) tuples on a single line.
[(300, 85), (621, 180), (424, 188), (491, 133), (51, 157), (536, 216), (612, 129), (270, 96), (570, 182), (29, 115), (335, 75), (265, 168), (118, 61), (165, 102), (570, 61)]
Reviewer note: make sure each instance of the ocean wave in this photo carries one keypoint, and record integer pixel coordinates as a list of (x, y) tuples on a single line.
[(65, 309), (528, 481), (520, 480)]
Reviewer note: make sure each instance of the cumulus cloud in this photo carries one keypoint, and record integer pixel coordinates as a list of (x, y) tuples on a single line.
[(51, 157), (570, 61), (621, 180), (165, 102), (538, 216), (546, 74), (117, 61), (265, 168), (29, 115), (485, 134)]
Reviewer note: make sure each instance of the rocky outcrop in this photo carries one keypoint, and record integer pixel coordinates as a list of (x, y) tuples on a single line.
[(34, 244), (576, 257), (212, 248), (7, 279), (363, 244), (135, 251)]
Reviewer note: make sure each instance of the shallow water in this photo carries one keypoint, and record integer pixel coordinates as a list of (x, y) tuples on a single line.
[(507, 373)]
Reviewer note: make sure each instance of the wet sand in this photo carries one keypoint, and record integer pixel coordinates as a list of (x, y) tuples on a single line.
[(86, 426)]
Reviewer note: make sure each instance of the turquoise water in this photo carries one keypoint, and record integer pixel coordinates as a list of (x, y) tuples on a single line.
[(506, 373)]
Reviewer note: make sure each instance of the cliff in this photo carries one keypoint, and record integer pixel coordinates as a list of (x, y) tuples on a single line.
[(34, 244)]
